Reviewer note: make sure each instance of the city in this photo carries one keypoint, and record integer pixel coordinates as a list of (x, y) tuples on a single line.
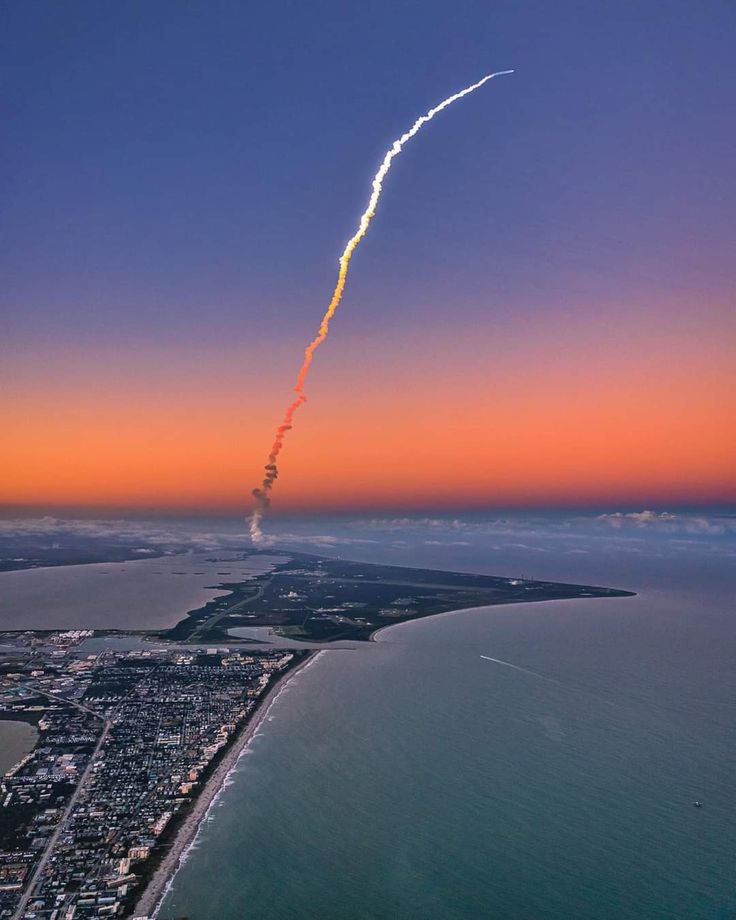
[(127, 740)]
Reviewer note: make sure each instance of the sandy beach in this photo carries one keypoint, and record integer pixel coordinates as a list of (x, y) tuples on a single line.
[(153, 893)]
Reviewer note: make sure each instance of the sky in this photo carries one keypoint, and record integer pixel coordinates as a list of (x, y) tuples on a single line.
[(541, 313)]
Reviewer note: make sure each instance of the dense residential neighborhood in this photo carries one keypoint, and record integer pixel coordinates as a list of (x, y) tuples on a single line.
[(126, 741)]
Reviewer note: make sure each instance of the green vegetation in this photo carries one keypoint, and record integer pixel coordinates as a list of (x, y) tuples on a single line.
[(323, 600)]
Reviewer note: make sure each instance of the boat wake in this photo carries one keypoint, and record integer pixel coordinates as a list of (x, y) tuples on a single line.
[(516, 667)]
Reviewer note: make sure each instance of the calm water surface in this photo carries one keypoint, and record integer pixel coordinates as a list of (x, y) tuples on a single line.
[(141, 594), (16, 740)]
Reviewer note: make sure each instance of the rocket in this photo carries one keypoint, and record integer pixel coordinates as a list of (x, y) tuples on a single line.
[(262, 493)]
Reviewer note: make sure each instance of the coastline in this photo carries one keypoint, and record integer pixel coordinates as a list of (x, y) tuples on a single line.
[(150, 899), (507, 603), (158, 885), (18, 737)]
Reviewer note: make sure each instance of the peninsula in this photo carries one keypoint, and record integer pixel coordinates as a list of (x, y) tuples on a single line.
[(138, 729), (320, 599)]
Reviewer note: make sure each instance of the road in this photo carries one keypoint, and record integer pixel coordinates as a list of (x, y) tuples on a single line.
[(56, 697), (30, 887), (241, 604)]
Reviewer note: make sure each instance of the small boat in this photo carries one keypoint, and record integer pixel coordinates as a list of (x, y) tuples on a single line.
[(697, 804)]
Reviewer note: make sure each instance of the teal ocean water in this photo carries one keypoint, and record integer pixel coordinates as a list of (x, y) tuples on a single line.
[(416, 779)]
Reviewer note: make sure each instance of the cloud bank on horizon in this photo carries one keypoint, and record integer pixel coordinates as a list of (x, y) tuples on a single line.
[(221, 533)]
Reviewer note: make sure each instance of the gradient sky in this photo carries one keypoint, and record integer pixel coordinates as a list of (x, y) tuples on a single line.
[(542, 311)]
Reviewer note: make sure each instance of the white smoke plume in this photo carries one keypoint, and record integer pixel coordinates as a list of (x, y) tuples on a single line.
[(262, 494)]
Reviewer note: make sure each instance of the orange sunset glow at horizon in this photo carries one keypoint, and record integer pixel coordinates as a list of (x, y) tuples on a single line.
[(527, 425), (539, 313)]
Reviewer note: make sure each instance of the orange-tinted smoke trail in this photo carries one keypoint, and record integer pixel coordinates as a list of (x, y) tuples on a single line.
[(263, 492)]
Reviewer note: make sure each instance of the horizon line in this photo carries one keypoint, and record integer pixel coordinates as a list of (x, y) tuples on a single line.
[(10, 510)]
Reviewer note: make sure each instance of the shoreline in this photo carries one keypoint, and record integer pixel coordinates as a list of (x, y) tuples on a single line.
[(509, 603), (151, 897)]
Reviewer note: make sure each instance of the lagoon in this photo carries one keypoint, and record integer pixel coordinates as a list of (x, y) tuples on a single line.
[(141, 594)]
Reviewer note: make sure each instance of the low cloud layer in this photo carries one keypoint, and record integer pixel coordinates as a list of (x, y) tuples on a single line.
[(568, 533), (664, 522), (668, 522), (145, 536)]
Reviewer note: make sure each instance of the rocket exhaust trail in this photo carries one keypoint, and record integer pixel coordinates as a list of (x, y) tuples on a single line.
[(262, 494)]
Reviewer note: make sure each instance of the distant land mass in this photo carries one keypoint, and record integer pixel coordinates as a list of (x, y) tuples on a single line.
[(318, 599)]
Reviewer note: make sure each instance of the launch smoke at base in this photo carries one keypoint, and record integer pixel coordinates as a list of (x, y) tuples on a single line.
[(262, 493)]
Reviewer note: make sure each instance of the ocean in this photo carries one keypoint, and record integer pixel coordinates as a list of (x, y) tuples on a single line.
[(413, 778)]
